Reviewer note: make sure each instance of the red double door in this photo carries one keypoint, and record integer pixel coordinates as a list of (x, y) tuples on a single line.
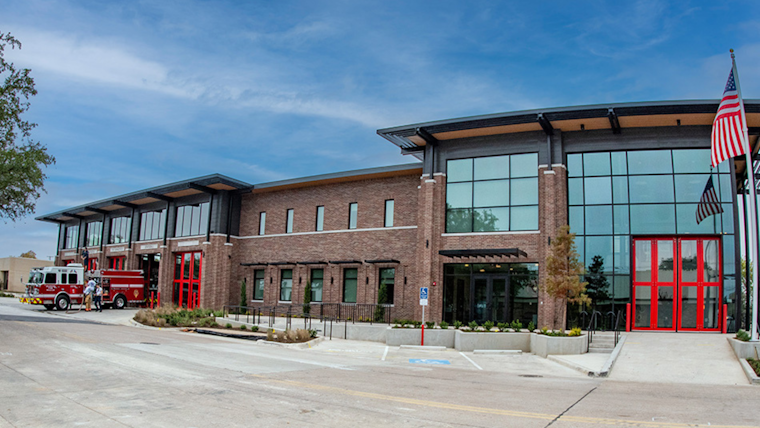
[(187, 279), (677, 284)]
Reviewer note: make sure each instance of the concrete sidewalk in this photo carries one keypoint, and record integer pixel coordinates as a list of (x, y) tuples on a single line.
[(694, 358)]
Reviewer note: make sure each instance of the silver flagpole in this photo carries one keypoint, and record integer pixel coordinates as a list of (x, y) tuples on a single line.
[(751, 217)]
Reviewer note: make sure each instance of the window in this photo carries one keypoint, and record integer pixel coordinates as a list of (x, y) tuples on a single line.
[(258, 284), (94, 233), (92, 264), (289, 221), (353, 211), (387, 278), (262, 222), (152, 225), (116, 263), (317, 279), (72, 237), (120, 227), (51, 278), (320, 219), (490, 194), (72, 278), (389, 213), (192, 220), (350, 277), (286, 284)]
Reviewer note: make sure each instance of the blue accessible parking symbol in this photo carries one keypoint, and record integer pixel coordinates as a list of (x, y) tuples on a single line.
[(426, 361)]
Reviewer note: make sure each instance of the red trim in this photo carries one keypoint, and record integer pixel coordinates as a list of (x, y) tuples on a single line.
[(116, 263), (187, 288)]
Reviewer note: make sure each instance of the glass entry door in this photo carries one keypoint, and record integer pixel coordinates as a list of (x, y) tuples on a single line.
[(676, 284), (187, 279), (490, 298)]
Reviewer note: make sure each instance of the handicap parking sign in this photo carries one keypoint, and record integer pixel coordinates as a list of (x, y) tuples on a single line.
[(423, 296)]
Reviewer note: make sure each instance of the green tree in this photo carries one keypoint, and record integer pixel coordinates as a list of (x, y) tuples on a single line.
[(29, 255), (21, 158), (598, 286), (307, 298), (563, 275), (243, 294)]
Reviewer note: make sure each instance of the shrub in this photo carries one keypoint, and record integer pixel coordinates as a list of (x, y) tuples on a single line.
[(516, 325), (270, 334), (576, 331), (382, 299), (312, 333), (458, 324), (531, 327), (473, 325), (743, 336), (228, 325), (302, 335), (243, 294), (488, 325), (755, 364), (544, 330), (444, 325), (214, 324), (254, 328), (242, 327), (307, 298), (502, 326), (417, 324), (291, 335), (429, 324)]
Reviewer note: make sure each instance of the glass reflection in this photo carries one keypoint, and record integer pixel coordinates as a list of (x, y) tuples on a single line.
[(688, 261), (649, 162), (596, 164), (688, 307), (599, 220), (651, 188), (459, 170), (491, 193), (524, 165), (665, 261), (650, 218), (524, 218), (491, 167), (643, 261), (598, 190)]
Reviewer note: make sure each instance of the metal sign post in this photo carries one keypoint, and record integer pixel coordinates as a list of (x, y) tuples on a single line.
[(423, 303)]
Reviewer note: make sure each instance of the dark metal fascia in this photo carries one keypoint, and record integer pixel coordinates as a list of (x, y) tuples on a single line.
[(281, 263), (345, 262), (254, 264), (76, 216), (311, 263), (509, 252), (412, 150), (159, 196), (96, 210), (614, 122), (382, 261), (546, 125), (203, 189)]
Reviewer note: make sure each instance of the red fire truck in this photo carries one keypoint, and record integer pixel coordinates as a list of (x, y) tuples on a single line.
[(60, 286)]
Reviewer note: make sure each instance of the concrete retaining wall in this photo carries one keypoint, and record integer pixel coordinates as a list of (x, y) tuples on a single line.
[(412, 336), (502, 341), (744, 349), (544, 345)]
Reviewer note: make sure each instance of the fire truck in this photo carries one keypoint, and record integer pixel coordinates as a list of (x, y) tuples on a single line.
[(61, 286)]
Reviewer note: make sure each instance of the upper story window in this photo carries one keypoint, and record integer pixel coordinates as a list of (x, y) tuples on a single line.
[(353, 213), (320, 219), (94, 233), (120, 228), (192, 220), (152, 225), (389, 213), (286, 284), (289, 221), (490, 194), (262, 222), (72, 237)]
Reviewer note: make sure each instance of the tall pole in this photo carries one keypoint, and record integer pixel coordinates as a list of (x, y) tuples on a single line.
[(751, 217)]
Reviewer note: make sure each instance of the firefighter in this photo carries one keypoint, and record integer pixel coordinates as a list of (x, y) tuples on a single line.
[(88, 292), (98, 298)]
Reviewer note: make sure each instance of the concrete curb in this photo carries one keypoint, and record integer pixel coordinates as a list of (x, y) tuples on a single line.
[(606, 368), (423, 348), (497, 351), (751, 376), (571, 365), (305, 345)]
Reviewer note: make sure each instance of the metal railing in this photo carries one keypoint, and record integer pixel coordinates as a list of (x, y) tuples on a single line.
[(592, 325), (356, 312), (618, 317)]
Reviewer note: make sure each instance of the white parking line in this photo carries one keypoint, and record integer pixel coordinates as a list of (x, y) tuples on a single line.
[(473, 362), (384, 354)]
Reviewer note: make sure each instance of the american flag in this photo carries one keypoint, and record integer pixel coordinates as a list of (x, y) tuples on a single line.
[(728, 129), (708, 203)]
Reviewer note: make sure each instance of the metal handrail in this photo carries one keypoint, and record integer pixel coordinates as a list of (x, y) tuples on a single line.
[(617, 326), (592, 326)]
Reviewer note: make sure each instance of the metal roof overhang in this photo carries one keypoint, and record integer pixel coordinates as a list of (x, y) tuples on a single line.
[(382, 261), (614, 117), (484, 252), (168, 192)]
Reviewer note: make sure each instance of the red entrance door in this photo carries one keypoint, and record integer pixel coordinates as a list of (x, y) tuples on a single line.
[(187, 279), (677, 284)]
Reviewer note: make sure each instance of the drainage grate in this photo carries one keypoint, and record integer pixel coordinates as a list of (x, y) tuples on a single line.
[(529, 375)]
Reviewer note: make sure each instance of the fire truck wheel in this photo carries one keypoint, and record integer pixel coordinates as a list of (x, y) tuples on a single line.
[(50, 307), (62, 303), (119, 302)]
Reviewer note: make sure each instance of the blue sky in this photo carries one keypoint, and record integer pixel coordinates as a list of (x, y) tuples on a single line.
[(138, 94)]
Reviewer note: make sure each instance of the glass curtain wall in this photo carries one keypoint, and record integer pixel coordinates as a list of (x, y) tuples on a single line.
[(613, 195)]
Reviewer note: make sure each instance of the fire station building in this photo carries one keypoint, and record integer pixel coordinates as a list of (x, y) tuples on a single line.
[(473, 221)]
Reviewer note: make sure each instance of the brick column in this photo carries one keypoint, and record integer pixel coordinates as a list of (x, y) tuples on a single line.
[(552, 197), (430, 224)]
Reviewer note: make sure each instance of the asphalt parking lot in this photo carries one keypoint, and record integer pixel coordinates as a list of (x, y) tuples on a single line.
[(78, 370)]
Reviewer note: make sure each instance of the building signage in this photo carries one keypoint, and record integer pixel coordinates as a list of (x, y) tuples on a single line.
[(149, 247), (118, 249), (69, 254), (188, 243)]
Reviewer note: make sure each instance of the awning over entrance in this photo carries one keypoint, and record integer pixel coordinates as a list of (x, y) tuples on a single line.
[(484, 252)]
